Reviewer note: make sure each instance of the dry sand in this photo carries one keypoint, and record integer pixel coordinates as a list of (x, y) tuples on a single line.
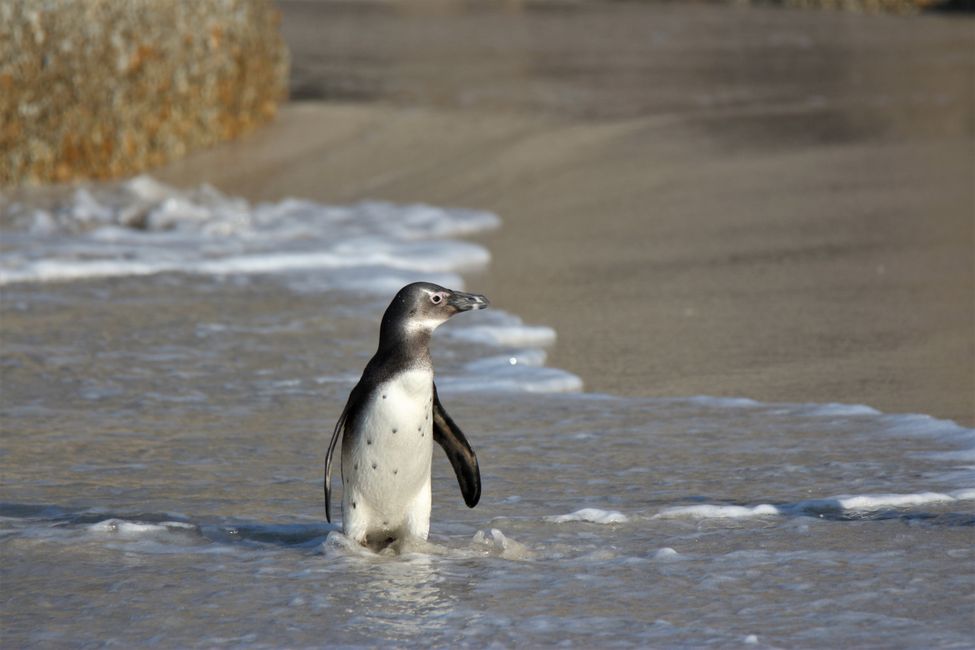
[(700, 199)]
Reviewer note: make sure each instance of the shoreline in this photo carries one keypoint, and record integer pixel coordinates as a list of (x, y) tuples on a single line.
[(786, 249)]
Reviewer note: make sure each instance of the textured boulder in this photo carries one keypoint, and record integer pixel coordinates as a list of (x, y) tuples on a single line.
[(104, 88)]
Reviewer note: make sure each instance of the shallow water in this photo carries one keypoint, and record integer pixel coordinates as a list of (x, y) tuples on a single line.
[(173, 363)]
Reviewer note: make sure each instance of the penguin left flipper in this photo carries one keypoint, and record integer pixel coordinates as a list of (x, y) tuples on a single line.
[(449, 436), (336, 434), (349, 415)]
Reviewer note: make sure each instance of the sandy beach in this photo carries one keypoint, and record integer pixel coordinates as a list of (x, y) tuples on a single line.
[(700, 199)]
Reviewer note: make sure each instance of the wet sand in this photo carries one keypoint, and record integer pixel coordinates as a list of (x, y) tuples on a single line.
[(701, 199)]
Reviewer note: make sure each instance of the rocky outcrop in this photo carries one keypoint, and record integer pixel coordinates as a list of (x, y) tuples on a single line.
[(105, 88)]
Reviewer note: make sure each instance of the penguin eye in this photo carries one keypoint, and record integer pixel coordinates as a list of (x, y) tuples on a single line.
[(436, 298)]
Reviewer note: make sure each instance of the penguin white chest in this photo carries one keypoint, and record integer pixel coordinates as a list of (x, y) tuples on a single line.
[(386, 463)]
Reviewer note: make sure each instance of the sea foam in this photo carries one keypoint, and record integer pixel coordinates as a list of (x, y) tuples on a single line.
[(144, 227), (814, 507), (591, 515)]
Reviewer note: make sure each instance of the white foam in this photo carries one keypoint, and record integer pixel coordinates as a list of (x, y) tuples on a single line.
[(840, 410), (876, 501), (513, 379), (723, 402), (532, 358), (124, 527), (591, 515), (705, 511), (133, 529), (534, 380), (507, 335), (427, 257), (502, 545), (54, 270), (337, 544), (666, 554), (916, 425), (837, 504), (147, 188), (143, 227), (517, 370), (966, 494), (924, 426)]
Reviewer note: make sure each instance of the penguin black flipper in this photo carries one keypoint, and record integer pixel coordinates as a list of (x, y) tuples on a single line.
[(449, 436), (328, 463), (348, 415)]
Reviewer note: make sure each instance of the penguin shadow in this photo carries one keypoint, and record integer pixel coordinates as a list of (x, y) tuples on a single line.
[(165, 527)]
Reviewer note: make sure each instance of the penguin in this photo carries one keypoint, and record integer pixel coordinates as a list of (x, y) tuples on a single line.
[(391, 420)]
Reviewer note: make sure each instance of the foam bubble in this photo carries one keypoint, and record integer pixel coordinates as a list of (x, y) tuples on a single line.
[(665, 554), (502, 545), (704, 511), (591, 515)]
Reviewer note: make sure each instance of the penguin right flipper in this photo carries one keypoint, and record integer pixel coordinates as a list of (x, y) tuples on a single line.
[(449, 436)]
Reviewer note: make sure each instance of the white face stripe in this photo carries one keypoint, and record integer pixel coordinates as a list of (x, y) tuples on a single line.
[(427, 324)]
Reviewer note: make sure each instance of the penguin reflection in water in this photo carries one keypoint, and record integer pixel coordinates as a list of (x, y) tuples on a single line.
[(391, 420)]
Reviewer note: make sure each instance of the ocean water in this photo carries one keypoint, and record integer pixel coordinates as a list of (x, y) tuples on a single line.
[(174, 361)]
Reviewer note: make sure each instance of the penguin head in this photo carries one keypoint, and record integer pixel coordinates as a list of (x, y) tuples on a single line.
[(419, 308)]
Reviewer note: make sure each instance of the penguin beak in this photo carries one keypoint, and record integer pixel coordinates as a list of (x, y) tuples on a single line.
[(467, 301)]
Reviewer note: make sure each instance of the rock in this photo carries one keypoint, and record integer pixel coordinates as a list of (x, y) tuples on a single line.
[(106, 88)]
